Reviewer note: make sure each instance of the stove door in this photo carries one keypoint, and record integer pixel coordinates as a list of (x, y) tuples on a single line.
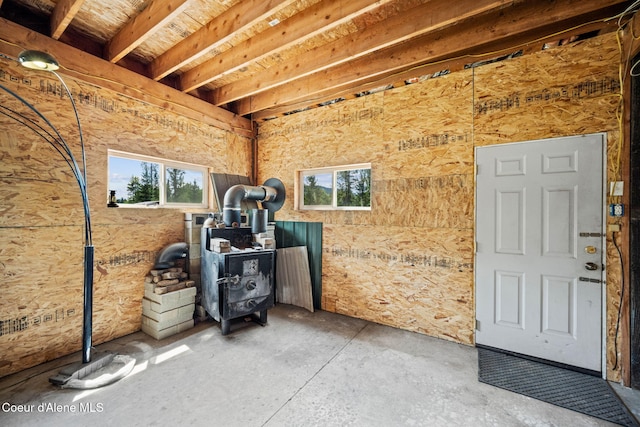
[(251, 286)]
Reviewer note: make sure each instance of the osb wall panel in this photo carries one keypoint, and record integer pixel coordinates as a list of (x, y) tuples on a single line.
[(414, 278), (41, 216), (409, 261), (571, 90), (565, 91), (323, 137)]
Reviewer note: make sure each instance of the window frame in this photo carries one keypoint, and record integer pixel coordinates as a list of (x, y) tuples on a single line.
[(162, 176), (300, 185)]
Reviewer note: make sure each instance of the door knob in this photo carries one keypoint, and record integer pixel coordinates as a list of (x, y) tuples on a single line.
[(591, 266)]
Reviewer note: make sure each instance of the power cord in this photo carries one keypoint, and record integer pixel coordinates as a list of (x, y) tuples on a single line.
[(615, 339)]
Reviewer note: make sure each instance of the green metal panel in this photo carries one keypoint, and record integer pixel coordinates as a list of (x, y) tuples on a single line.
[(293, 233), (314, 246)]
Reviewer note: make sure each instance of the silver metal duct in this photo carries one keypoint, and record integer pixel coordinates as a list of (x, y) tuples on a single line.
[(167, 256), (271, 194)]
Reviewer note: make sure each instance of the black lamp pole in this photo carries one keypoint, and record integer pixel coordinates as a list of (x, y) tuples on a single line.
[(76, 375), (42, 61)]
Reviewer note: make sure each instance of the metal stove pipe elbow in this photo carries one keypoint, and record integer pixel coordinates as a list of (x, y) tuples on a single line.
[(233, 198)]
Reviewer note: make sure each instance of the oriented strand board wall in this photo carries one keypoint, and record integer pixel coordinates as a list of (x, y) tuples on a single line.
[(408, 262), (41, 234)]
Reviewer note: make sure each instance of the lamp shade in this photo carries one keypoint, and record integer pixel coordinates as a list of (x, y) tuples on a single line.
[(37, 60)]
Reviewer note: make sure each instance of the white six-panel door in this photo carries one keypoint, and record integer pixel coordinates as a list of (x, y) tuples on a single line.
[(539, 208)]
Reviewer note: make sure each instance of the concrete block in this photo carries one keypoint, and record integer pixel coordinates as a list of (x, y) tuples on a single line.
[(172, 299), (194, 251), (169, 318), (192, 225), (195, 265), (148, 304), (164, 333)]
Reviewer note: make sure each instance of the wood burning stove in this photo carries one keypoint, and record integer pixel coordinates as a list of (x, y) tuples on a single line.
[(237, 278), (238, 281)]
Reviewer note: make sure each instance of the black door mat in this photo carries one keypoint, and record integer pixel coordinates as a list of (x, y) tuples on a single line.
[(572, 390)]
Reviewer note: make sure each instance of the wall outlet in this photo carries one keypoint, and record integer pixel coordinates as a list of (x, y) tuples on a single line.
[(616, 209), (616, 188)]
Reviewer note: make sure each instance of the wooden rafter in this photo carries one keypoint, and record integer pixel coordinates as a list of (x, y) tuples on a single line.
[(427, 17), (323, 47), (521, 23), (86, 67), (156, 15), (398, 78), (321, 17), (213, 34), (62, 15)]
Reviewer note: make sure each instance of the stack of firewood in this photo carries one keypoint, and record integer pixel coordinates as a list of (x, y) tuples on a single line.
[(167, 280), (168, 303)]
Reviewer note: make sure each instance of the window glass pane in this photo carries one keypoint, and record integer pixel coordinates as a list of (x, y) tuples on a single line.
[(318, 189), (183, 186), (135, 181), (353, 187)]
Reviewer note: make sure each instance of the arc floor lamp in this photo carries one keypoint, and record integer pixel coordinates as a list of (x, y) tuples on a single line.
[(73, 375)]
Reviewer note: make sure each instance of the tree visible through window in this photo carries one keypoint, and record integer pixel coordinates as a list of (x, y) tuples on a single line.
[(181, 191), (144, 187), (316, 193), (146, 181), (336, 188), (353, 187)]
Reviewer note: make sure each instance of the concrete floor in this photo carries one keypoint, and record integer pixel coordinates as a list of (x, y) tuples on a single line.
[(302, 369)]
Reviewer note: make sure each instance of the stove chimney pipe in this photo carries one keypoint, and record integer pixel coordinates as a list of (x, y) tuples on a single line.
[(271, 194)]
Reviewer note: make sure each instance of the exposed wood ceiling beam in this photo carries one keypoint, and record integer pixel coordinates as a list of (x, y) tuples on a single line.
[(62, 16), (319, 18), (457, 63), (504, 27), (358, 43), (86, 67), (216, 32), (155, 16), (427, 17)]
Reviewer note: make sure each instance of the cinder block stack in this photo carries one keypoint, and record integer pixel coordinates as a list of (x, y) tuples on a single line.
[(192, 226), (168, 303)]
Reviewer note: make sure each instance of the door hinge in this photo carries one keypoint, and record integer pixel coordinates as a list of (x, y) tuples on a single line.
[(590, 280), (477, 325), (591, 234)]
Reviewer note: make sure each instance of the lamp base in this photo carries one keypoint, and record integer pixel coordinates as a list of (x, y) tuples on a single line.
[(78, 375)]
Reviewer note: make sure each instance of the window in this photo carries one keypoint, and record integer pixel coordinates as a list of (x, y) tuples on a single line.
[(143, 181), (343, 187)]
